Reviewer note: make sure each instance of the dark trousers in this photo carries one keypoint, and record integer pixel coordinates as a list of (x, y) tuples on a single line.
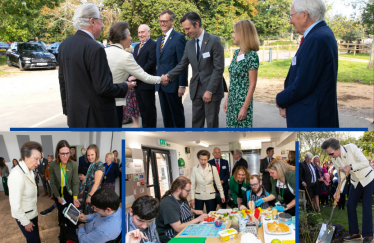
[(367, 218), (341, 203), (202, 111), (324, 199), (119, 115), (60, 207), (210, 205), (147, 106), (33, 236), (172, 109), (46, 186), (5, 185)]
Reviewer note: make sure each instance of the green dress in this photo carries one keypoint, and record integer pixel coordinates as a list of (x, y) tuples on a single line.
[(239, 86)]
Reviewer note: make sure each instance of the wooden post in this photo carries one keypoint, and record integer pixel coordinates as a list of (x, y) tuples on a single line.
[(289, 51), (348, 49), (263, 53), (277, 51), (354, 52)]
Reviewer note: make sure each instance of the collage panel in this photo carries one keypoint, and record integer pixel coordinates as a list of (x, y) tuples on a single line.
[(336, 182), (217, 186)]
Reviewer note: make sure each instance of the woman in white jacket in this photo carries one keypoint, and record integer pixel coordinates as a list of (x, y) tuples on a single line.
[(122, 63), (23, 192), (204, 178)]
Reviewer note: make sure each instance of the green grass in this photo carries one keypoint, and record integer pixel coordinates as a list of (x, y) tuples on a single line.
[(365, 56), (2, 60), (348, 71), (280, 43)]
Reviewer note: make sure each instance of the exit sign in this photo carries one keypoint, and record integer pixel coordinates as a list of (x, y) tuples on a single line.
[(162, 142)]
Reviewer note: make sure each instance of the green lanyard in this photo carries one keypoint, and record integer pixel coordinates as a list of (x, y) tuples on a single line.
[(66, 180)]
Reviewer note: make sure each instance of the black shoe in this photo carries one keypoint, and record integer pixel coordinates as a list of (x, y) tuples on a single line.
[(353, 237), (45, 212), (368, 239)]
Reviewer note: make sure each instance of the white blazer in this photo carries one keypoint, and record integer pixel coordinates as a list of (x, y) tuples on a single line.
[(122, 64), (202, 184), (362, 171), (22, 194)]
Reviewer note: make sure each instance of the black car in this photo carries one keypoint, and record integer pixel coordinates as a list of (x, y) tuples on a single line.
[(30, 55), (3, 48), (53, 48)]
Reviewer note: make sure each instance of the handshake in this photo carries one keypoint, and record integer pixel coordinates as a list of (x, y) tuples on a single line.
[(165, 79), (132, 81)]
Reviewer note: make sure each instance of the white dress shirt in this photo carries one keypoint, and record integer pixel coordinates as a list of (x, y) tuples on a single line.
[(167, 35)]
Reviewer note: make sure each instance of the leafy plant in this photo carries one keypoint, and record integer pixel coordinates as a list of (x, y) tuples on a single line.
[(339, 229), (309, 225)]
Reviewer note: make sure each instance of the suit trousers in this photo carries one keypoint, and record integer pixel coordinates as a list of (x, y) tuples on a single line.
[(367, 218), (202, 111), (5, 185), (46, 186), (210, 205), (172, 109), (119, 115), (147, 106), (33, 236)]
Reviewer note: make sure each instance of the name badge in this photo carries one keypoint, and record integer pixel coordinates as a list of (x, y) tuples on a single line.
[(223, 167), (206, 55), (244, 189), (294, 61), (240, 58)]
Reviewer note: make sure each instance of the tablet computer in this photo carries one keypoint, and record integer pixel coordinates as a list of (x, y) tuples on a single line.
[(71, 213)]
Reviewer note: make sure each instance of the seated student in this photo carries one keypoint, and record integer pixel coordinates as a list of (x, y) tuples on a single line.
[(82, 172), (104, 225), (142, 216), (175, 213), (258, 191)]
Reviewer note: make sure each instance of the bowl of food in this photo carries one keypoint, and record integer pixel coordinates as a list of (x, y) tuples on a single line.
[(285, 218)]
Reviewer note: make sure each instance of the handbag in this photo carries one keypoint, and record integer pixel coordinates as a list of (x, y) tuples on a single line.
[(218, 197)]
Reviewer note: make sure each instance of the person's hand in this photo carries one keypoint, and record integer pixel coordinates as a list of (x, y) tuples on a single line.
[(346, 169), (82, 217), (28, 227), (41, 175), (239, 200), (120, 169), (223, 200), (221, 182), (279, 208), (131, 79), (207, 97), (76, 202), (304, 184), (131, 85), (202, 217), (282, 112), (47, 178), (259, 202), (80, 225), (164, 79), (60, 201), (337, 196), (192, 203), (181, 91), (225, 106), (88, 200), (242, 207), (134, 236), (198, 212), (242, 114)]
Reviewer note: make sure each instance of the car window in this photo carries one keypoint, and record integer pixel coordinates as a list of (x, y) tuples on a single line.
[(28, 47)]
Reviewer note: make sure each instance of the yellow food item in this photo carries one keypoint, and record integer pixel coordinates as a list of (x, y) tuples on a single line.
[(277, 228)]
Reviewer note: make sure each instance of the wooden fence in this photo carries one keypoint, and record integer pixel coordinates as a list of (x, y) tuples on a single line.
[(275, 50), (355, 48)]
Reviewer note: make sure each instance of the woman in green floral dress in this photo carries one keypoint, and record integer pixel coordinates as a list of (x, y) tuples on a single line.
[(94, 177), (243, 76)]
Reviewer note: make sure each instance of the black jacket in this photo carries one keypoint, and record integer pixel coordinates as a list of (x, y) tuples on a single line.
[(147, 60), (240, 162), (306, 176), (265, 175)]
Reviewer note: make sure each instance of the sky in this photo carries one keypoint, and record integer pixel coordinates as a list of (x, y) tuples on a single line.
[(340, 7)]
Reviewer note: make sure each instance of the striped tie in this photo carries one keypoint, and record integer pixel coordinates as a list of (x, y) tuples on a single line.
[(140, 47), (162, 42)]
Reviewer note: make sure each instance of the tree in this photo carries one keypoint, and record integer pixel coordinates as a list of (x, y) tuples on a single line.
[(345, 28), (366, 143), (368, 17)]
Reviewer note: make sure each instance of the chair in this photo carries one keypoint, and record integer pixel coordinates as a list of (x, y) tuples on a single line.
[(302, 199)]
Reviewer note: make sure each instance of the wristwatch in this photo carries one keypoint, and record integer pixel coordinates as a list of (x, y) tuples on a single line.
[(89, 195), (285, 208)]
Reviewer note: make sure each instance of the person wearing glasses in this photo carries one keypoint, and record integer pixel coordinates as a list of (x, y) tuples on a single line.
[(310, 86), (256, 192), (175, 213), (86, 82), (169, 52), (63, 177), (350, 159)]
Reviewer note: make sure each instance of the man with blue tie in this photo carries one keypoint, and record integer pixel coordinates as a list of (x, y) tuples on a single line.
[(223, 171), (169, 52)]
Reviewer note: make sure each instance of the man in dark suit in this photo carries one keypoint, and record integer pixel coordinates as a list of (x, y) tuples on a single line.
[(169, 52), (41, 168), (205, 54), (223, 171), (86, 84), (239, 160), (310, 85), (82, 160), (264, 168), (308, 176), (145, 56)]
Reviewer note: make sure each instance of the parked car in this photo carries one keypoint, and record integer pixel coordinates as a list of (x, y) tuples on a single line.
[(53, 48), (30, 55), (40, 42), (3, 48)]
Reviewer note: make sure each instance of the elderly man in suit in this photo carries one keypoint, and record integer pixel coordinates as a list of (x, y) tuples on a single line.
[(169, 52), (308, 175), (205, 54), (310, 85), (86, 84), (239, 160), (41, 168), (264, 168), (350, 159), (222, 166)]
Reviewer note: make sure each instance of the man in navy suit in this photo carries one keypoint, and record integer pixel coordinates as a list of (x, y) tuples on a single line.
[(82, 160), (309, 97), (169, 52), (145, 56), (223, 171)]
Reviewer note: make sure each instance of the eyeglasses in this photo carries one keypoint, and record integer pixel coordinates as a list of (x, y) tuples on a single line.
[(253, 185), (290, 15), (64, 154), (187, 190), (331, 153), (163, 21)]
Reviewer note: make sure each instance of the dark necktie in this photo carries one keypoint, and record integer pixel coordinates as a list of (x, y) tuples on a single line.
[(198, 53)]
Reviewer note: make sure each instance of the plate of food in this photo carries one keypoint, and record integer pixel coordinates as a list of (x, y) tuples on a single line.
[(275, 228)]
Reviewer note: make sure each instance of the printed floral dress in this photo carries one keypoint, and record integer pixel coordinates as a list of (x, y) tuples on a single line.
[(239, 86), (131, 109), (90, 179)]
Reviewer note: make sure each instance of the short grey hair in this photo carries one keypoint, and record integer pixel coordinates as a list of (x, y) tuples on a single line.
[(308, 155), (51, 156), (330, 143), (316, 9), (83, 14), (316, 156), (239, 152)]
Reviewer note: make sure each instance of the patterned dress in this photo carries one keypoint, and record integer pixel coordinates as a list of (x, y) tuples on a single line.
[(239, 86), (90, 179), (131, 109)]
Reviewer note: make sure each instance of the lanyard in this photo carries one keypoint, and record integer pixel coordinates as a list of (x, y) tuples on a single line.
[(106, 171), (62, 180)]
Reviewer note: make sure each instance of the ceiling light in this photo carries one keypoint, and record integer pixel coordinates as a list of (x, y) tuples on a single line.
[(202, 144)]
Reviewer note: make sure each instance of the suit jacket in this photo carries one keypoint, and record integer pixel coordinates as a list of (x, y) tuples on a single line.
[(86, 83), (265, 175), (361, 169), (240, 162), (55, 177), (43, 166), (170, 56), (306, 176), (147, 60), (202, 187), (234, 189), (83, 162), (209, 70), (310, 86), (22, 194), (224, 174)]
